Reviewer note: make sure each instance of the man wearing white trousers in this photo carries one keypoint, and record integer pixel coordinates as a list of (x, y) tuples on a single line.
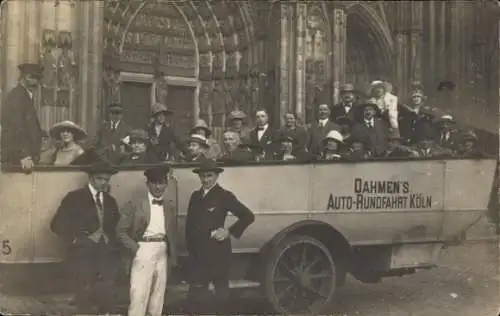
[(147, 230)]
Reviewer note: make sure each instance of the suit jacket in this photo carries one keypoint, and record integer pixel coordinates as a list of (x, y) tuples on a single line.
[(135, 219), (412, 124), (338, 110), (21, 132), (317, 134), (452, 140), (299, 134), (208, 213), (268, 142), (77, 216), (376, 136), (107, 138), (168, 146)]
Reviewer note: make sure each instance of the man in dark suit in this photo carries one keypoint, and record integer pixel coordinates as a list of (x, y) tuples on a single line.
[(428, 147), (320, 129), (113, 135), (413, 117), (264, 136), (208, 241), (147, 229), (446, 134), (164, 143), (347, 106), (373, 129), (86, 220), (21, 132)]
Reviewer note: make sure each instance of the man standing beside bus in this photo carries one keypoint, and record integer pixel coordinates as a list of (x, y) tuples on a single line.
[(86, 220), (147, 230), (208, 241)]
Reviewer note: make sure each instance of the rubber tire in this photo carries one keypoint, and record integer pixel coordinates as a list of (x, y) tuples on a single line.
[(275, 253)]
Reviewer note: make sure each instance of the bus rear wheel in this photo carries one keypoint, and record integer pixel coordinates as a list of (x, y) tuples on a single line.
[(300, 276)]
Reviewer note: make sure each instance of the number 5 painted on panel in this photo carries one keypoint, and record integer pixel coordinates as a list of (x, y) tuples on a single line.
[(6, 250)]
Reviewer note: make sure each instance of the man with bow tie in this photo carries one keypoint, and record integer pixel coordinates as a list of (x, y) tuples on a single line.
[(347, 107), (86, 220), (373, 129), (264, 136), (113, 135), (147, 231), (208, 241), (320, 129)]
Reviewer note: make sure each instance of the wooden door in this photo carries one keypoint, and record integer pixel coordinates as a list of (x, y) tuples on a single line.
[(136, 101), (180, 99)]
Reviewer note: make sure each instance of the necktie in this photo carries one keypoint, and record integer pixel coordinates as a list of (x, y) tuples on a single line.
[(100, 211), (157, 202)]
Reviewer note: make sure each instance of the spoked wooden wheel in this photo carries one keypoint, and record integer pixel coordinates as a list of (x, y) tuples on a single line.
[(300, 276)]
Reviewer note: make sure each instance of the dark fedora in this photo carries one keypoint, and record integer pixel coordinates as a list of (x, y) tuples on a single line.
[(208, 165), (115, 108), (31, 69), (157, 173), (101, 166)]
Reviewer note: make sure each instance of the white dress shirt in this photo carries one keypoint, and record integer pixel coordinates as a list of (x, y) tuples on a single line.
[(370, 123), (158, 128), (156, 224), (322, 123), (260, 132), (114, 125), (347, 108)]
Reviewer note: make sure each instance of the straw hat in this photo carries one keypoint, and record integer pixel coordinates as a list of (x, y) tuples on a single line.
[(199, 139), (201, 124), (78, 132), (445, 118), (335, 135)]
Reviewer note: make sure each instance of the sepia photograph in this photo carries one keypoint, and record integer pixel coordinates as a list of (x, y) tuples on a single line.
[(249, 157)]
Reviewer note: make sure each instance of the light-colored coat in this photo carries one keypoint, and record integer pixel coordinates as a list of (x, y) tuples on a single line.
[(135, 217), (388, 103)]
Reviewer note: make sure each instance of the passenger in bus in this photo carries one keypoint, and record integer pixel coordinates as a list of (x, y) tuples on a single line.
[(428, 147), (197, 148), (286, 150), (164, 143), (348, 107), (320, 129), (264, 136), (357, 149), (208, 241), (67, 135), (112, 137), (230, 142), (137, 154), (292, 128), (373, 129), (467, 145), (386, 102), (345, 126), (332, 146), (86, 220), (238, 124), (201, 128), (21, 132), (147, 231), (413, 117), (397, 150), (446, 134)]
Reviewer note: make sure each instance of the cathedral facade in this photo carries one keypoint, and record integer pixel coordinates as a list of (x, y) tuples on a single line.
[(206, 58)]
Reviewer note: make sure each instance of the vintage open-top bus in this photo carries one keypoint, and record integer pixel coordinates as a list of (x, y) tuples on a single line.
[(314, 223)]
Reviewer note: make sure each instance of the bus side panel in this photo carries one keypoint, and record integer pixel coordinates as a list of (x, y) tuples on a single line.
[(467, 186), (16, 211)]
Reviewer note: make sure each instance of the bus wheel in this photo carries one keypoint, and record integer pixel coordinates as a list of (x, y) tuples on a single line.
[(300, 276)]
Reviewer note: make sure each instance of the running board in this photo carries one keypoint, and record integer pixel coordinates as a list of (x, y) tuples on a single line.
[(233, 284)]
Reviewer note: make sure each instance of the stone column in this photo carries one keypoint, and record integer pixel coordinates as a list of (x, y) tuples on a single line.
[(286, 15), (339, 56), (300, 61), (416, 8), (402, 48)]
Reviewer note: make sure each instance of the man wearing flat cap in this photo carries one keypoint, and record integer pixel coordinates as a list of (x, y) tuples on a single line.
[(86, 220), (21, 132), (147, 231), (208, 241), (113, 135)]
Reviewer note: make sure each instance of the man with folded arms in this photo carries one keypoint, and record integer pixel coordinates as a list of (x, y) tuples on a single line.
[(147, 230)]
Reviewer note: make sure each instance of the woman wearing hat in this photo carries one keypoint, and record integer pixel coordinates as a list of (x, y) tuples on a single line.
[(386, 102), (197, 148), (332, 145), (137, 155), (413, 117), (237, 121), (201, 128), (67, 134), (294, 130)]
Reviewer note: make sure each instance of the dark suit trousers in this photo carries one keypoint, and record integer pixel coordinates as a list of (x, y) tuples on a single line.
[(94, 267)]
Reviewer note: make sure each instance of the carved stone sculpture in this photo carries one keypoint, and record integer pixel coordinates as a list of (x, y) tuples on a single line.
[(49, 62)]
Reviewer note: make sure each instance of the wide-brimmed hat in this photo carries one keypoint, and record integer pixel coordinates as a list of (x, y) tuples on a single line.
[(115, 107), (372, 105), (200, 139), (237, 115), (201, 124), (335, 135), (160, 108), (35, 70), (157, 173), (208, 165), (101, 166), (139, 135), (78, 132), (444, 118)]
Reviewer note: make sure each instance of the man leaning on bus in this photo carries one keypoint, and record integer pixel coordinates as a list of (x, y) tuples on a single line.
[(147, 230), (208, 241), (87, 220)]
